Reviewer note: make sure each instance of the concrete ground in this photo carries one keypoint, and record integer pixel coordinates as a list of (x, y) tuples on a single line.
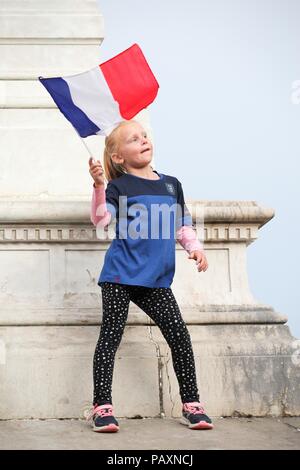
[(152, 433)]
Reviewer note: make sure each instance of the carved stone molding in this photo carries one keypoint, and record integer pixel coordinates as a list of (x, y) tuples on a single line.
[(69, 221)]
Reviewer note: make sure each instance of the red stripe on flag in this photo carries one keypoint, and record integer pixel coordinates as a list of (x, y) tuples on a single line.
[(130, 80)]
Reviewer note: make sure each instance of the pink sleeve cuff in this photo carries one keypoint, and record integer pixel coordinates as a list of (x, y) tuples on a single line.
[(99, 213), (187, 237)]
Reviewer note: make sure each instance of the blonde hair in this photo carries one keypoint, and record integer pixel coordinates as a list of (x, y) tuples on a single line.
[(114, 170)]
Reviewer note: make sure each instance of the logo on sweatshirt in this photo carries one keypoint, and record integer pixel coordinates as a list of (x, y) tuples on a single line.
[(170, 188)]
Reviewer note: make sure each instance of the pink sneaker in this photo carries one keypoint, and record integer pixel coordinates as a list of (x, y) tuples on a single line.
[(103, 419), (193, 416)]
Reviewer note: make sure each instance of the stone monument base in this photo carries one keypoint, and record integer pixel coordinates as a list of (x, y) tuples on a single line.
[(242, 369)]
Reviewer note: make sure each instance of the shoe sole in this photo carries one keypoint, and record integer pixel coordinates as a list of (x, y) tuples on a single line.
[(108, 428), (200, 425)]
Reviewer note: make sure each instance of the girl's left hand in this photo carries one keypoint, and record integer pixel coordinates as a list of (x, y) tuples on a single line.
[(200, 258)]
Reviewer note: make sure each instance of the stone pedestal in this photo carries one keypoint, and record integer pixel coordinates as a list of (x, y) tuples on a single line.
[(51, 312)]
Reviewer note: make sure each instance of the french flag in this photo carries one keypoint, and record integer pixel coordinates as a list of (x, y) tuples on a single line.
[(97, 100)]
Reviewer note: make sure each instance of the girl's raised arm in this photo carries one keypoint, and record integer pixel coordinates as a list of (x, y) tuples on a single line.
[(99, 213)]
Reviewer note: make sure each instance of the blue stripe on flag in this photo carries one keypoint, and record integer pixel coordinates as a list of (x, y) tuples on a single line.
[(60, 92)]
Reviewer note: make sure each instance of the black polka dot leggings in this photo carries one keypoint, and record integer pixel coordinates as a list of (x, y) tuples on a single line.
[(161, 306)]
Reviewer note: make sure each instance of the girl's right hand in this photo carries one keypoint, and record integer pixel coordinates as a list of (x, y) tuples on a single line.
[(96, 172)]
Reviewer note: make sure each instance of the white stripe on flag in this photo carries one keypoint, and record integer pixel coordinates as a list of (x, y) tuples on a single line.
[(91, 93)]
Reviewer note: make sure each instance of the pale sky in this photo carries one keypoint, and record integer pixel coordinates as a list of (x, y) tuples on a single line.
[(224, 121)]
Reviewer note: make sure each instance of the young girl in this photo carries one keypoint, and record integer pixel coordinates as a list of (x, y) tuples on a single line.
[(139, 265)]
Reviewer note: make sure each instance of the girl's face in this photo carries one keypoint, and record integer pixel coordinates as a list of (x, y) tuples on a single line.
[(135, 147)]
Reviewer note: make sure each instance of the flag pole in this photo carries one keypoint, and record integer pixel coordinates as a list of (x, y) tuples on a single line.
[(82, 140)]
